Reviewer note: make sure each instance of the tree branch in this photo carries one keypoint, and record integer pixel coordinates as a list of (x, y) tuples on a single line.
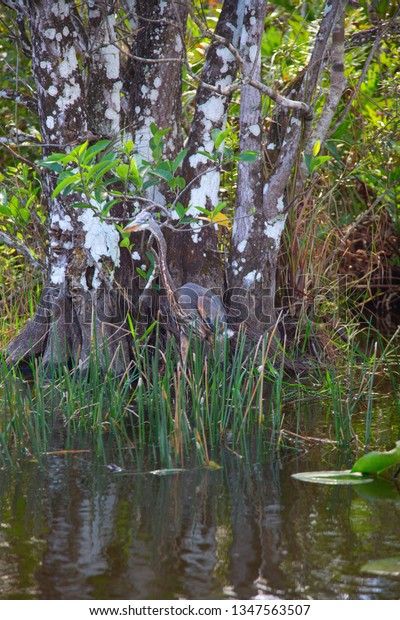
[(379, 35), (21, 249), (246, 75), (19, 157), (27, 102), (337, 86)]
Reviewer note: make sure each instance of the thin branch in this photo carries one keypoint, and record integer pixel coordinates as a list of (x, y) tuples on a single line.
[(280, 99), (27, 102), (367, 36), (337, 85), (246, 77), (21, 249), (147, 60), (379, 36), (19, 157)]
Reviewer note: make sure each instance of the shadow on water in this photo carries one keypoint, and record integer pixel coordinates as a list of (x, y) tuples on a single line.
[(77, 530)]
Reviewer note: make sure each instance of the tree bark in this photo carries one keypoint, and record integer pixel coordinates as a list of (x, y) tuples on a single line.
[(201, 260), (255, 275), (80, 306), (153, 84), (244, 261)]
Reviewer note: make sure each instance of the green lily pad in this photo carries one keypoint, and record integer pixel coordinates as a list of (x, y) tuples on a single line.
[(385, 566), (376, 462), (332, 477)]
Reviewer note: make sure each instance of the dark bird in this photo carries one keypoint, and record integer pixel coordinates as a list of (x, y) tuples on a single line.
[(193, 308)]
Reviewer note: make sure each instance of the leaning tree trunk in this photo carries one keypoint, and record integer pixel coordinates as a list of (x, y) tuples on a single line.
[(260, 218)]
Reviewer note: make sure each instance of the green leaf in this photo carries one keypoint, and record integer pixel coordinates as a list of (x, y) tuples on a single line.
[(54, 162), (248, 156), (158, 134), (332, 477), (125, 243), (313, 163), (219, 136), (80, 150), (213, 465), (52, 165), (316, 148), (384, 566), (95, 149), (308, 159), (134, 170), (122, 171), (376, 462), (81, 205), (150, 183), (321, 159), (213, 157), (128, 146), (177, 183), (180, 210), (142, 273), (5, 210), (218, 208), (178, 160), (66, 182), (25, 214), (100, 169), (166, 175), (105, 210)]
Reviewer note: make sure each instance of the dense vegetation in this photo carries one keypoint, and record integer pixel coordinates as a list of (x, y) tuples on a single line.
[(338, 265)]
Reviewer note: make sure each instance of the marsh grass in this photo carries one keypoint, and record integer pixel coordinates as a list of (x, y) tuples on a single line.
[(224, 398)]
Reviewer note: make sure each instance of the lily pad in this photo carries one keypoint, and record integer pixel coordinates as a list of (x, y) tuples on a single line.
[(332, 477), (166, 472), (385, 566), (376, 462)]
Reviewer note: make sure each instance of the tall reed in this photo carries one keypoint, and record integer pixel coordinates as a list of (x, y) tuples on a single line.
[(222, 397)]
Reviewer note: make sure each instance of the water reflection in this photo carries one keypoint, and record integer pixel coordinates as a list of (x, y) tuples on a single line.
[(76, 530)]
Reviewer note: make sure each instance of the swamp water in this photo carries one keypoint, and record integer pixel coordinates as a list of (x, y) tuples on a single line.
[(75, 529)]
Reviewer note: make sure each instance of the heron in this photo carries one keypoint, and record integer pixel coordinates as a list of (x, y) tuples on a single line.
[(193, 308)]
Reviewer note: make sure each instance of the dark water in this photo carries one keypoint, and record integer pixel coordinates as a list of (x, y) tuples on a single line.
[(76, 530)]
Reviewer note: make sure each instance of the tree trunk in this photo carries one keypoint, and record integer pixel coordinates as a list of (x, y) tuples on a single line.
[(153, 82), (80, 305), (201, 261), (260, 220), (244, 262)]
